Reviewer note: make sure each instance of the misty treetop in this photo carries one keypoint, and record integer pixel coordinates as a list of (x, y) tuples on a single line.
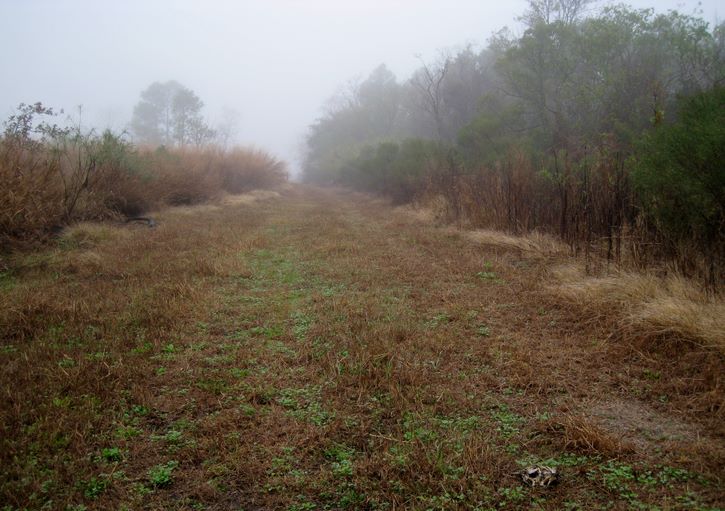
[(546, 127), (170, 114)]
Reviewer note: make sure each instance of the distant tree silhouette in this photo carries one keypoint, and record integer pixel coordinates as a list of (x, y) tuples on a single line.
[(170, 114)]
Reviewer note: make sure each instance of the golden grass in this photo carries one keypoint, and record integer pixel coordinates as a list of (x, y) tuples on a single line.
[(532, 243), (647, 307), (250, 198), (90, 234), (580, 433), (432, 210)]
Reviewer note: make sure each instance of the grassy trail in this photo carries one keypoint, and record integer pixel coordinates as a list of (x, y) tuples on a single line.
[(321, 350)]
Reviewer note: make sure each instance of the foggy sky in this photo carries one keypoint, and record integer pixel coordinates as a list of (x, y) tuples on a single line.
[(275, 62)]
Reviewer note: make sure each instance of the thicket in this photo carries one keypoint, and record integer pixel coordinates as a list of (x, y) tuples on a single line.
[(605, 128), (52, 175)]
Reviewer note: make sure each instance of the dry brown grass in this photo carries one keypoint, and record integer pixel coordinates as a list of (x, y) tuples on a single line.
[(533, 243), (250, 198), (308, 350), (48, 184), (648, 308), (581, 434)]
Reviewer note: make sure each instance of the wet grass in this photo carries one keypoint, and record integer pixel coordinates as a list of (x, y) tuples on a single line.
[(319, 351)]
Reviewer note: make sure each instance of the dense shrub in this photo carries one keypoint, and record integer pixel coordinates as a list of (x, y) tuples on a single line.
[(680, 177), (542, 130), (52, 175), (398, 170)]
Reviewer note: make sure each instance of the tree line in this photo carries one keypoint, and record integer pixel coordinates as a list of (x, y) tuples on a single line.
[(604, 127)]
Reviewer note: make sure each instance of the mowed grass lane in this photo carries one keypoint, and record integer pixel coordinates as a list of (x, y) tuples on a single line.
[(321, 350)]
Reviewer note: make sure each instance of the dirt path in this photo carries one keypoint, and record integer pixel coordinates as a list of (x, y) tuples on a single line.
[(320, 350)]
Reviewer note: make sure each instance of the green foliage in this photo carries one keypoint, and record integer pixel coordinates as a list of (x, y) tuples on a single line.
[(111, 454), (680, 172), (544, 124), (491, 135), (94, 487), (161, 475), (508, 421), (305, 404), (342, 460), (397, 170)]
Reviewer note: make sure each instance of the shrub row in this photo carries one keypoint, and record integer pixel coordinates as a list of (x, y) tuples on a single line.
[(52, 176), (660, 200)]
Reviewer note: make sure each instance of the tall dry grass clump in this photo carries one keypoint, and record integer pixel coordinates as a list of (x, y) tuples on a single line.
[(649, 308), (244, 169), (53, 176), (30, 200)]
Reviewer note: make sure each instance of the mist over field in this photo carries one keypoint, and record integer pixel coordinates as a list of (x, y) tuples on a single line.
[(264, 70), (370, 256)]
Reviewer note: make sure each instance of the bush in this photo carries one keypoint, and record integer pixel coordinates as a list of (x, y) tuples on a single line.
[(53, 176), (680, 177), (398, 170)]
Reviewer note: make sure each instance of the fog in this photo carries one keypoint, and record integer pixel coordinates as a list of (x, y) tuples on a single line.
[(269, 64)]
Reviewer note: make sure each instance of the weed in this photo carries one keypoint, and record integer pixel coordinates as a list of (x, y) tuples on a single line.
[(67, 362), (248, 409), (94, 487), (171, 438), (508, 422), (270, 332), (62, 402), (512, 495), (146, 347), (668, 475), (304, 403), (399, 455), (617, 478), (127, 432), (160, 476), (111, 454), (349, 497), (301, 324), (239, 373), (139, 410), (341, 456), (651, 375), (219, 360), (281, 348), (691, 500), (213, 385), (302, 505)]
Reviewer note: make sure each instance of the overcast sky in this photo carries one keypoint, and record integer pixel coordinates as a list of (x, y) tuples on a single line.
[(274, 61)]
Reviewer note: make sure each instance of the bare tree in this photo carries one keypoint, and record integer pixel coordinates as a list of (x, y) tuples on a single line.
[(428, 81), (549, 11), (228, 127), (571, 10)]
